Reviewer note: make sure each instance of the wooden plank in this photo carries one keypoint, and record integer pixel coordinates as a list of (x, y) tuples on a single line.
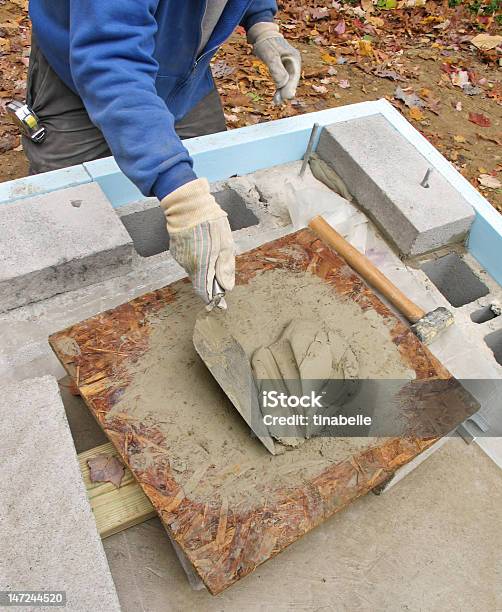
[(114, 509), (227, 531)]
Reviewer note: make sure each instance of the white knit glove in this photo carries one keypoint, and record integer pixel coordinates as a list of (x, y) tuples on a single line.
[(201, 238), (284, 61)]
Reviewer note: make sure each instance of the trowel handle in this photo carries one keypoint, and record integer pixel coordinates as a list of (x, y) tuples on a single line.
[(361, 264)]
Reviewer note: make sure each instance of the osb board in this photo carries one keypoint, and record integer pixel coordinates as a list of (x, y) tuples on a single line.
[(225, 540)]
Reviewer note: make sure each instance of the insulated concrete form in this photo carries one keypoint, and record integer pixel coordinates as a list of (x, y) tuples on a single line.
[(57, 242), (255, 147), (385, 173), (48, 534)]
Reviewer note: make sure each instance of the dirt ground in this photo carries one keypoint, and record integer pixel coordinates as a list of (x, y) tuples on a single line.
[(418, 54)]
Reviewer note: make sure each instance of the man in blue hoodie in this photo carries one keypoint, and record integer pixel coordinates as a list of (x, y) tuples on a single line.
[(124, 76)]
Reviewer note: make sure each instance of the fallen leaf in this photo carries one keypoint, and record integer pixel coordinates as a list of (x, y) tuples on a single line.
[(367, 6), (320, 89), (221, 69), (479, 119), (387, 5), (486, 41), (409, 99), (416, 114), (7, 142), (383, 73), (471, 90), (344, 83), (22, 4), (365, 48), (319, 13), (329, 59), (459, 138), (442, 26), (460, 78), (4, 45), (340, 28), (106, 468), (237, 100), (261, 67), (487, 180), (378, 22), (458, 106)]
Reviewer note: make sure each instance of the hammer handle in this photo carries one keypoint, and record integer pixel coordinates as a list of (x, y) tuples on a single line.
[(366, 269)]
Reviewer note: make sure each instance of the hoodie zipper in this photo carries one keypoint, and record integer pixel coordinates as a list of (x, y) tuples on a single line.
[(200, 31), (201, 57)]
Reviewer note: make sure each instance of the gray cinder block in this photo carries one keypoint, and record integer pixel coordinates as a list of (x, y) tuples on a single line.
[(383, 171), (58, 242), (48, 533)]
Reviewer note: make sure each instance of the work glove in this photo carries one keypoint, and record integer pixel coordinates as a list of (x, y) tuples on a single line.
[(201, 239), (283, 61)]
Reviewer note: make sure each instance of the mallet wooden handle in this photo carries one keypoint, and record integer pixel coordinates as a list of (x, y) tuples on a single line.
[(366, 269)]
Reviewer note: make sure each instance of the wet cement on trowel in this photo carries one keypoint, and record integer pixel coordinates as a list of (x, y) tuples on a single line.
[(209, 445)]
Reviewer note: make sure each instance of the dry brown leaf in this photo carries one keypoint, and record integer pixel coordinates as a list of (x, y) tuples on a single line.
[(367, 6), (416, 114), (365, 48), (378, 22), (4, 45), (106, 468), (487, 180), (479, 119), (329, 59), (486, 41), (22, 4)]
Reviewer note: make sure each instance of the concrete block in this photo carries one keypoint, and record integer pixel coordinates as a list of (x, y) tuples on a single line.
[(383, 171), (146, 223), (58, 242), (48, 534)]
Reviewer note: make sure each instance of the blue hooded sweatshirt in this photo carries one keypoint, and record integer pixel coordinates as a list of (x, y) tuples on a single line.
[(134, 63)]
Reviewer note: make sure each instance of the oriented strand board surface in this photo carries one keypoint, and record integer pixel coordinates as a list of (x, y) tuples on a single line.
[(224, 534)]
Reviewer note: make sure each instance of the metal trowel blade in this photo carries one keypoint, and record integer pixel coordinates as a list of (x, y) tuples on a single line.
[(228, 363)]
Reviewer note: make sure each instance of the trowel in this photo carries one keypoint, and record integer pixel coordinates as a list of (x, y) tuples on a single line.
[(228, 363)]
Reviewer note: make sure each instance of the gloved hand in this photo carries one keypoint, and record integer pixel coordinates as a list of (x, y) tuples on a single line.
[(201, 238), (283, 60)]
